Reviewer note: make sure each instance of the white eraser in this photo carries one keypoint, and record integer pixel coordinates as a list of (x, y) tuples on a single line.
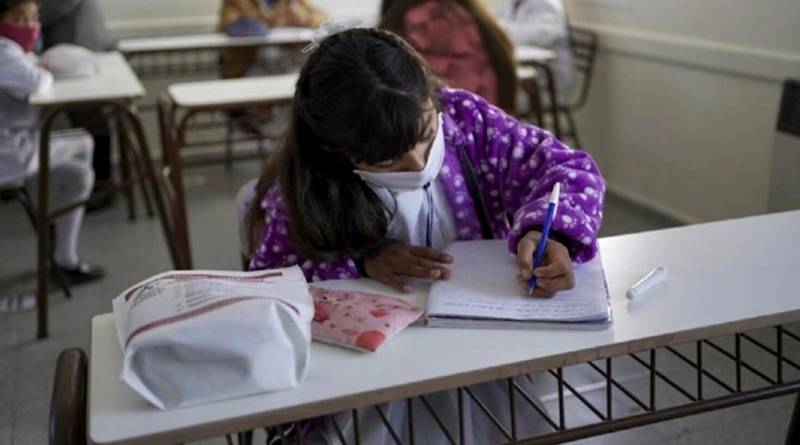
[(650, 280)]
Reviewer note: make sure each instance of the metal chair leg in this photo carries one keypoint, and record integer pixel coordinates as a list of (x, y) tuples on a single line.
[(142, 177), (125, 168), (229, 144), (24, 199), (573, 128)]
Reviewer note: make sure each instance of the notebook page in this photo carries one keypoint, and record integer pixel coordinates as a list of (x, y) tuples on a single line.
[(483, 285)]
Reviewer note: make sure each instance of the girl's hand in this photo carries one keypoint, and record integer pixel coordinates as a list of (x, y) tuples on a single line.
[(398, 260), (553, 275)]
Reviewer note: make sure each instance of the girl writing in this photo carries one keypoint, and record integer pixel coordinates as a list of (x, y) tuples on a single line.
[(382, 167)]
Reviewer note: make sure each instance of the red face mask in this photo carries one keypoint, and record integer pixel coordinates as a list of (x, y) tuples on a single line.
[(24, 36)]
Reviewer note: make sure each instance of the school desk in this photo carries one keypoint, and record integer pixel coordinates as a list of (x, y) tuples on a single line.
[(528, 54), (720, 284), (199, 53), (115, 87), (185, 101), (275, 36)]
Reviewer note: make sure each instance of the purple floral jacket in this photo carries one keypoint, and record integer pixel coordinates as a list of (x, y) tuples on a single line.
[(516, 166)]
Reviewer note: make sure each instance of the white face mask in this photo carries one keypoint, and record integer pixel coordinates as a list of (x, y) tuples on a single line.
[(405, 181)]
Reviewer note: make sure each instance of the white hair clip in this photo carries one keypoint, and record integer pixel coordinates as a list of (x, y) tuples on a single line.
[(328, 29)]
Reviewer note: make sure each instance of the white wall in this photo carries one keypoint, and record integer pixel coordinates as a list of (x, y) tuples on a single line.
[(130, 18), (682, 111), (127, 18)]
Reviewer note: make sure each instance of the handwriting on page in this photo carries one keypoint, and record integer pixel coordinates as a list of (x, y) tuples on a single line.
[(483, 285), (549, 310)]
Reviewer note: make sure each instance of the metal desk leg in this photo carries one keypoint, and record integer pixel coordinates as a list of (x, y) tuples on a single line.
[(171, 143), (43, 221), (151, 177), (551, 91), (793, 435), (125, 166), (531, 87), (176, 174), (123, 112)]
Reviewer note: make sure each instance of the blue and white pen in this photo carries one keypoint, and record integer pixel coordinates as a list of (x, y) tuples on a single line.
[(542, 245)]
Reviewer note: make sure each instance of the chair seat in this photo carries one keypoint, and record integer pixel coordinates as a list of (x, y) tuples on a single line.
[(526, 73)]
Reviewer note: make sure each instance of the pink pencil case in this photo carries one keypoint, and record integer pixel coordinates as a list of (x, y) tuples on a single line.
[(359, 320)]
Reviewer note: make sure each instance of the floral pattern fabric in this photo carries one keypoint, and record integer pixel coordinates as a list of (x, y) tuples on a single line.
[(516, 165), (448, 39)]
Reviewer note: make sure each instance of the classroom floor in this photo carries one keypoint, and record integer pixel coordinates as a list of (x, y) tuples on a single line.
[(132, 250)]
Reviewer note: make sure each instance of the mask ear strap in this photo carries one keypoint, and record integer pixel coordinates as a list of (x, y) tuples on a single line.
[(477, 197)]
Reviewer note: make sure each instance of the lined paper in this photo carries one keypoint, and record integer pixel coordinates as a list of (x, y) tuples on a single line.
[(483, 287)]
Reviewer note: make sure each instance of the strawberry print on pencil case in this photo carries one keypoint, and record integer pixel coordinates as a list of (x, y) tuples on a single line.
[(359, 320)]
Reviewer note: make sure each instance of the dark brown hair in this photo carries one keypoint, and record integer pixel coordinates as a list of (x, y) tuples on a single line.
[(360, 97), (498, 45), (8, 5)]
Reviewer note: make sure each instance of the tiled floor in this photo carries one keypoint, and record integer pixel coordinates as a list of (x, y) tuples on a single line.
[(133, 250)]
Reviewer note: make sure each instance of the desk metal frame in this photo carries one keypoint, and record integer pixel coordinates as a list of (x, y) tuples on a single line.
[(125, 116), (174, 125), (534, 90), (699, 399), (184, 61)]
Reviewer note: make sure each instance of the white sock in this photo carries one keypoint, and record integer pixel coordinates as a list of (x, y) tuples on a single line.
[(71, 181), (67, 229)]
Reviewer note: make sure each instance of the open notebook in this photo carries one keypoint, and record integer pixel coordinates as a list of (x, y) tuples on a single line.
[(483, 292)]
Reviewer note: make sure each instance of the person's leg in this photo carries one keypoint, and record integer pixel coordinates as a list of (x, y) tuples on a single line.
[(71, 181), (96, 123)]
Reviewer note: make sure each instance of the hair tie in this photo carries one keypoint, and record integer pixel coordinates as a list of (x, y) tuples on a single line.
[(328, 29)]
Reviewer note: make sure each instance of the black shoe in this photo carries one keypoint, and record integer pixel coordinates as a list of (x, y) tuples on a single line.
[(101, 198), (82, 273)]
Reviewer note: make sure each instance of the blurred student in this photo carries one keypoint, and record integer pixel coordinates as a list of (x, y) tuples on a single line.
[(71, 175), (243, 18), (541, 23), (80, 22), (461, 42)]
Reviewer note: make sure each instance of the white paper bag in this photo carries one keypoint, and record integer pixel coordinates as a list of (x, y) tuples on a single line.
[(67, 61), (192, 337)]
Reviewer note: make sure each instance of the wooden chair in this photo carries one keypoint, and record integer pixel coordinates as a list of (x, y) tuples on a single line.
[(528, 79), (545, 109), (584, 52), (68, 403)]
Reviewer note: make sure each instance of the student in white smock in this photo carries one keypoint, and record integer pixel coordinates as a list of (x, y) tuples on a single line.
[(541, 23), (71, 175)]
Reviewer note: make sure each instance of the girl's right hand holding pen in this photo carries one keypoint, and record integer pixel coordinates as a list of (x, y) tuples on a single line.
[(555, 273), (399, 260)]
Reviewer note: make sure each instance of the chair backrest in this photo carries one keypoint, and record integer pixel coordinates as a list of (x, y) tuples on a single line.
[(68, 403), (584, 52)]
